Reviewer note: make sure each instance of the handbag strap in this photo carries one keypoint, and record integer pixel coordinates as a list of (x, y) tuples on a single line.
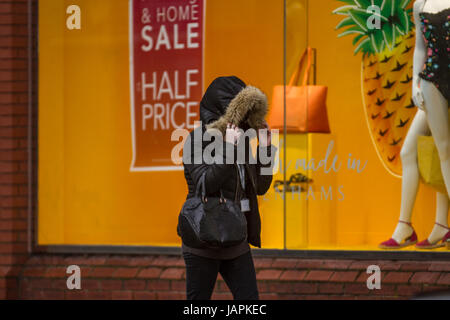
[(306, 55), (200, 191)]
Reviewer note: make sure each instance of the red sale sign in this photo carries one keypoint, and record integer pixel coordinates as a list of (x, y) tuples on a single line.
[(166, 77)]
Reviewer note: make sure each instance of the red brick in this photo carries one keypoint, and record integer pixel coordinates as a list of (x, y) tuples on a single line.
[(48, 294), (9, 271), (6, 236), (286, 287), (408, 290), (331, 288), (319, 297), (6, 143), (15, 202), (284, 263), (172, 273), (309, 264), (440, 266), (221, 286), (150, 273), (415, 266), (126, 272), (74, 295), (304, 288), (397, 277), (16, 30), (370, 298), (157, 285), (268, 296), (433, 288), (13, 248), (356, 288), (336, 264), (344, 276), (13, 132), (117, 261), (178, 285), (11, 121), (111, 284), (143, 295), (141, 261), (293, 275), (263, 286), (76, 260), (170, 296), (444, 279), (16, 259), (318, 275), (95, 260), (56, 272), (90, 284), (282, 296), (101, 272), (121, 295), (34, 271), (13, 225), (40, 283), (425, 277), (134, 284), (8, 167), (386, 290), (389, 265), (361, 265), (168, 261), (98, 295), (261, 263), (62, 283), (270, 274), (363, 276), (7, 283), (14, 19)]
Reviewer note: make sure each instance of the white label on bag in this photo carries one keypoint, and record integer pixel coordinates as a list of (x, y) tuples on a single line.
[(245, 205)]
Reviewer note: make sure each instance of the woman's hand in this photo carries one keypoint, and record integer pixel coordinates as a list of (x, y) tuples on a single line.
[(417, 95), (233, 134), (265, 136)]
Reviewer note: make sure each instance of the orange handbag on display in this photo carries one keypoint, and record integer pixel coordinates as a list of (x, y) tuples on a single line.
[(306, 109)]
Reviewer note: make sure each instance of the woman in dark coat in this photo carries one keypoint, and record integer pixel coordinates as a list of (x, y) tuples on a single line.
[(228, 105)]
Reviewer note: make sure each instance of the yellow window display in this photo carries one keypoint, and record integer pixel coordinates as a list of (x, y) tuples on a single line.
[(337, 190)]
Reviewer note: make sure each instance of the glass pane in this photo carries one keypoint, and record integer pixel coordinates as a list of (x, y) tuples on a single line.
[(295, 138), (114, 88)]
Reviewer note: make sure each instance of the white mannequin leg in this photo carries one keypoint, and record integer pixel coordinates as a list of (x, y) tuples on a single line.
[(442, 205), (436, 108), (410, 176)]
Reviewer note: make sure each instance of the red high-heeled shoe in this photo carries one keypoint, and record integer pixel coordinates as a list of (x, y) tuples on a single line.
[(393, 244), (425, 244)]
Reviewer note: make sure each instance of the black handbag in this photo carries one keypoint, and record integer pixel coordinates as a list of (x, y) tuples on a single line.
[(211, 222)]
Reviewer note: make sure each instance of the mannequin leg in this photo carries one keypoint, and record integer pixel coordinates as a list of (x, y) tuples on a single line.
[(442, 205), (410, 177), (436, 108)]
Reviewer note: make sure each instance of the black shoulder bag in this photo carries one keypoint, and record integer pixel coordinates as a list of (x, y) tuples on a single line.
[(211, 221)]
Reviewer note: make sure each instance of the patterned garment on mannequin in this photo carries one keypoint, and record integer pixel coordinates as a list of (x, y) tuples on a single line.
[(436, 31)]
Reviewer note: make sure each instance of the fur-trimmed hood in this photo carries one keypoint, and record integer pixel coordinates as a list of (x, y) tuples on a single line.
[(230, 100)]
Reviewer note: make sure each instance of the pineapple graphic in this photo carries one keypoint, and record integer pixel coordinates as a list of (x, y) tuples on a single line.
[(386, 71)]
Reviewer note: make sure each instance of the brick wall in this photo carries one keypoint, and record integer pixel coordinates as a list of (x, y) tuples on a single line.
[(163, 277), (13, 143), (43, 276)]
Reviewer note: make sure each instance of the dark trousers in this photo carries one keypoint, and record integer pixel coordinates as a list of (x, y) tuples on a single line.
[(238, 273)]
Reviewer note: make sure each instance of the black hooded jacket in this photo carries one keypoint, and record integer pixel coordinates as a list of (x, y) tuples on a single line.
[(228, 99)]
